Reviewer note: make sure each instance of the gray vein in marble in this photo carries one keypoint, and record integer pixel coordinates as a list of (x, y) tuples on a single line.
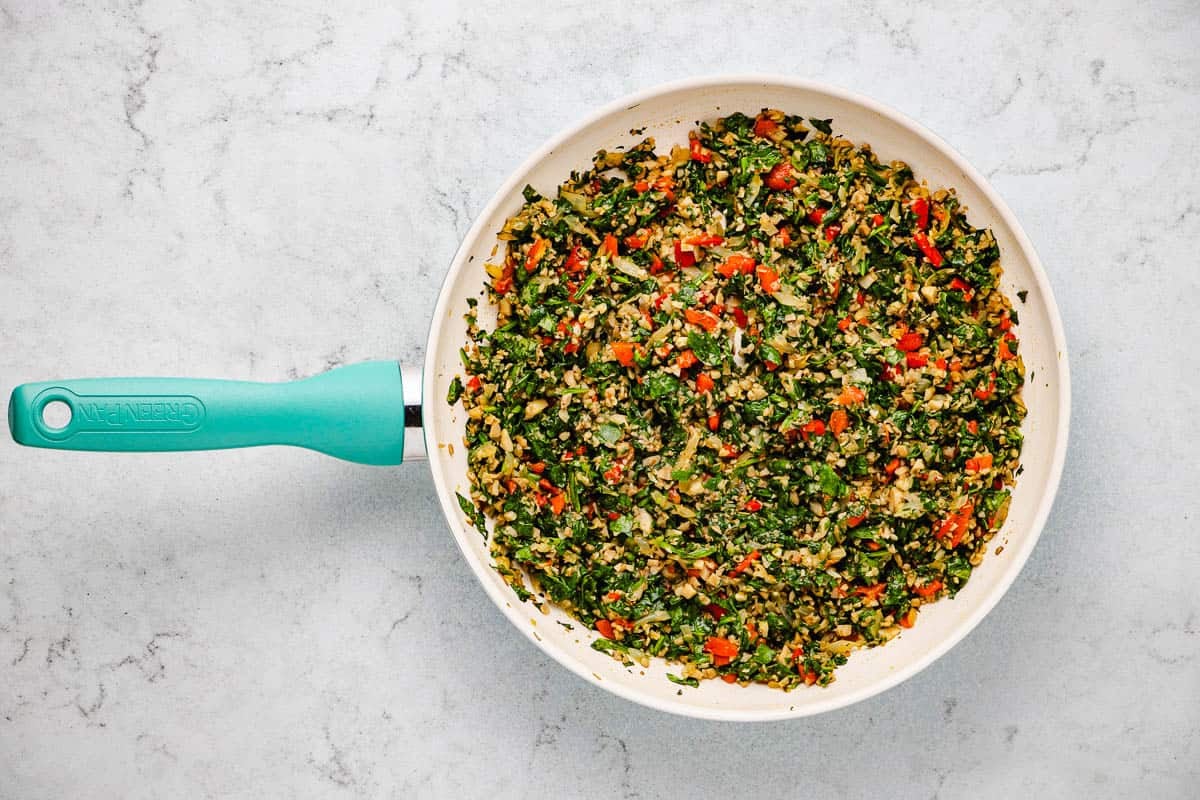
[(149, 663), (24, 651), (333, 768)]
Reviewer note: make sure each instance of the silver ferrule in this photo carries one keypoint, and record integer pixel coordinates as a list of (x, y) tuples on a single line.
[(414, 429)]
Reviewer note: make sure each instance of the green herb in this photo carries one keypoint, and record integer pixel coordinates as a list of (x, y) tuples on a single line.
[(707, 348), (825, 126), (829, 481), (473, 514), (686, 554), (661, 384), (683, 681), (758, 157), (456, 390), (609, 434)]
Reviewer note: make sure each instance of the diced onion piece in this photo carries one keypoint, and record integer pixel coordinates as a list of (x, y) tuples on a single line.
[(782, 345), (786, 298), (735, 341), (659, 336), (535, 407), (629, 268), (719, 218), (659, 615), (579, 202), (574, 223), (689, 450)]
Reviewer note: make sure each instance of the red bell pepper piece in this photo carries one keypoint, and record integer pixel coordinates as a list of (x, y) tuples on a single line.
[(870, 593), (985, 394), (910, 341), (720, 647), (609, 245), (768, 279), (929, 589), (780, 178), (504, 283), (625, 352), (920, 207), (536, 251), (926, 247), (736, 264), (684, 258), (814, 427), (704, 240), (979, 463), (954, 527), (575, 261), (764, 127), (745, 563), (704, 319), (851, 396)]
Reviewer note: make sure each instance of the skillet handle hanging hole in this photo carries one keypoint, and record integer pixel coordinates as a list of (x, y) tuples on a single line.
[(56, 414)]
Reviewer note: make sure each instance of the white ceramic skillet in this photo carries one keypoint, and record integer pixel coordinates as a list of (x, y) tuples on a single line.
[(360, 412)]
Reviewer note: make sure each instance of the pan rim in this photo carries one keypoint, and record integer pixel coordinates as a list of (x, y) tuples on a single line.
[(1049, 489)]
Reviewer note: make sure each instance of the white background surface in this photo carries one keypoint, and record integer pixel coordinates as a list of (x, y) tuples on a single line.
[(263, 190)]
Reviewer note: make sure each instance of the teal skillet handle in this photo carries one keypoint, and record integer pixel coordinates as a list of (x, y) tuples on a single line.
[(356, 412)]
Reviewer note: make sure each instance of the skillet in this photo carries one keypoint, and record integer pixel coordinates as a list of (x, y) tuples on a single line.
[(381, 413)]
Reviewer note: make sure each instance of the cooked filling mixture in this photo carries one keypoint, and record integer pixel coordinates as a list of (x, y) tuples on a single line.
[(748, 406)]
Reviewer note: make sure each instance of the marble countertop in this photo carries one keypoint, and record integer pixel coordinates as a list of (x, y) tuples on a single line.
[(258, 190)]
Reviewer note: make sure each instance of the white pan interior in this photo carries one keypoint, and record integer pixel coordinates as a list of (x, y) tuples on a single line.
[(667, 113)]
